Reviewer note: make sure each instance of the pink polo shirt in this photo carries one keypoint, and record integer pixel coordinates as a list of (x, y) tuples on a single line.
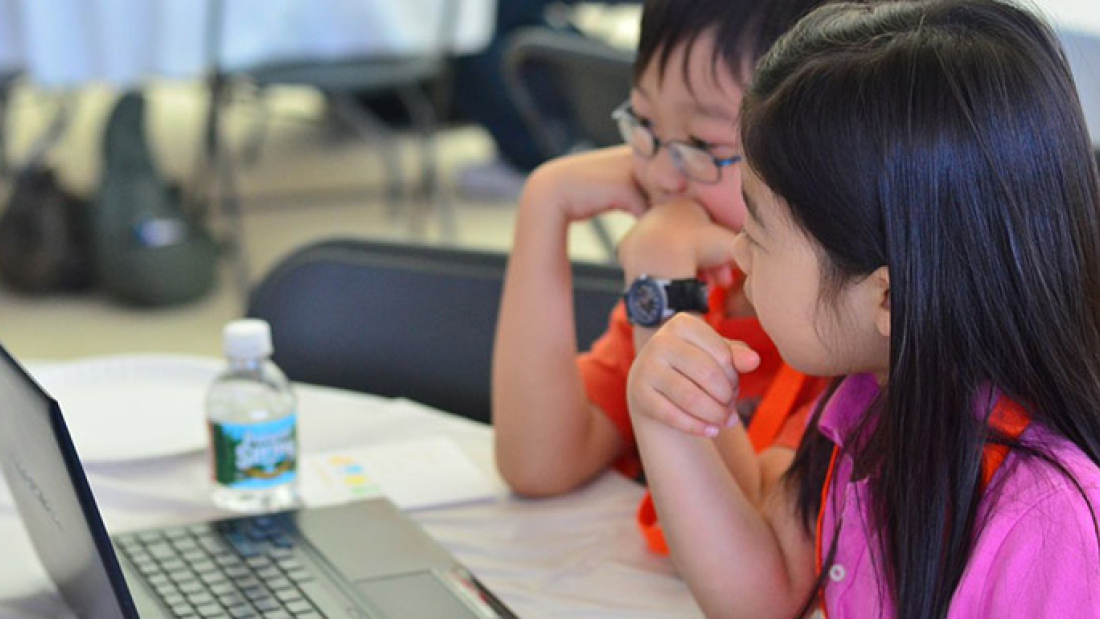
[(1036, 556)]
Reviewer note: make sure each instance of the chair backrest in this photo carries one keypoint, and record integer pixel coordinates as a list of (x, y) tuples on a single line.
[(595, 78), (403, 320)]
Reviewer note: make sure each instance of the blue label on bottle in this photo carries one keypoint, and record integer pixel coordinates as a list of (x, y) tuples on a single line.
[(255, 456)]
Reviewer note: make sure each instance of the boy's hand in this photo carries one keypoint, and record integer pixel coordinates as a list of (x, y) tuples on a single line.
[(584, 185), (678, 239), (687, 376)]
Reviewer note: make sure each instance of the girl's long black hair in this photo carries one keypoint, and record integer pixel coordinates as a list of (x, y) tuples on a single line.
[(945, 140)]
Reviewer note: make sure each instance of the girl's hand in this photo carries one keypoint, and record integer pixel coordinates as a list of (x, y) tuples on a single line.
[(584, 185), (687, 376)]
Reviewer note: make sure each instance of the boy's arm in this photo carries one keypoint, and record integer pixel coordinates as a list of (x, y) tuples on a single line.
[(549, 438)]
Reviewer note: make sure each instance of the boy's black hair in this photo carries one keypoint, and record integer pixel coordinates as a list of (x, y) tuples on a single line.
[(943, 139), (743, 30)]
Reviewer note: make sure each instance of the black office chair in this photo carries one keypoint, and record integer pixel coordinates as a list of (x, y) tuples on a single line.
[(401, 320), (594, 78)]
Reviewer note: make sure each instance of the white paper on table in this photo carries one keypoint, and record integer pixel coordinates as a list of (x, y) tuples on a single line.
[(414, 474)]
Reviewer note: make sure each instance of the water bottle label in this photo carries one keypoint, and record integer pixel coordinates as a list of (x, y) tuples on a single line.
[(255, 456)]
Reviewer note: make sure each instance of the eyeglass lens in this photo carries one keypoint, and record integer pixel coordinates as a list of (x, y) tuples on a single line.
[(695, 163)]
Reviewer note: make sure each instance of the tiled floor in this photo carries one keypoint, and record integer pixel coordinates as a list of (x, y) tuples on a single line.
[(311, 182)]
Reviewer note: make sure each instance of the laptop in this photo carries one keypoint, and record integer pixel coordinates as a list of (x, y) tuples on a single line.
[(362, 560)]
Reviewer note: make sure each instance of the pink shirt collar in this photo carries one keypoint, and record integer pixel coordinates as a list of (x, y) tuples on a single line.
[(846, 406)]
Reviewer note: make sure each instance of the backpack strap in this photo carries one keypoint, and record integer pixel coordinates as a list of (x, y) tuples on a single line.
[(1009, 418)]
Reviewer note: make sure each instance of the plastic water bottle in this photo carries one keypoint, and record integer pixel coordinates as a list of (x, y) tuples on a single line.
[(251, 414)]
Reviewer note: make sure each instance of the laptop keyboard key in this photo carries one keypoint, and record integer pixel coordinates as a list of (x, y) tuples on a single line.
[(201, 598), (209, 576), (191, 586), (232, 599), (268, 573), (299, 576), (181, 576), (242, 612), (298, 607), (268, 604), (211, 611), (275, 584)]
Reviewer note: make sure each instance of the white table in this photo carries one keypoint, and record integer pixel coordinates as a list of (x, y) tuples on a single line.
[(576, 556), (67, 43)]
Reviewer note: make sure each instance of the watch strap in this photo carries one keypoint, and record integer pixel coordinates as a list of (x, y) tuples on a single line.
[(687, 295)]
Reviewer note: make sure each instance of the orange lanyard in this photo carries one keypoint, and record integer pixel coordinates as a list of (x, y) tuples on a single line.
[(775, 407), (1008, 417)]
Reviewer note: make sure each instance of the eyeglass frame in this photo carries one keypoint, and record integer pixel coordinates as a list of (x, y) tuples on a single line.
[(625, 112)]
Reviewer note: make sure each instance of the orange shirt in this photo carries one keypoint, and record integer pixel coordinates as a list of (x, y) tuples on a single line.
[(605, 367)]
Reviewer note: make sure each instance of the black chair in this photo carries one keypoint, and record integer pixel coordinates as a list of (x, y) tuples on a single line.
[(593, 77), (402, 320)]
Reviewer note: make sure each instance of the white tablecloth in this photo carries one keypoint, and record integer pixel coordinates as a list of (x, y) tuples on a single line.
[(70, 42), (577, 556)]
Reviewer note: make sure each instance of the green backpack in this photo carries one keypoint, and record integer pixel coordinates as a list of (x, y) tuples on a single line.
[(148, 250)]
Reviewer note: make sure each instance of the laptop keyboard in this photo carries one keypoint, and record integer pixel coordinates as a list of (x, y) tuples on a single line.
[(250, 567)]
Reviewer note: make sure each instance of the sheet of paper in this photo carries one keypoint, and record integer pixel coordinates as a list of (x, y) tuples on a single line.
[(414, 474)]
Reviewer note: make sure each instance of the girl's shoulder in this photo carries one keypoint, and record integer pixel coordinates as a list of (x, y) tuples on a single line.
[(1065, 478), (1037, 550)]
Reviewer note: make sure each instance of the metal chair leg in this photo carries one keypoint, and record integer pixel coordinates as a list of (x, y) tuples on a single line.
[(431, 183), (368, 128), (4, 169), (215, 184)]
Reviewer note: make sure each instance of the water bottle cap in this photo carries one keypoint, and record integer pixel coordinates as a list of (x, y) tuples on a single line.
[(248, 338)]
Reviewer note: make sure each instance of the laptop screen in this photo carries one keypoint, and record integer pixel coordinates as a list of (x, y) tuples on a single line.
[(54, 500)]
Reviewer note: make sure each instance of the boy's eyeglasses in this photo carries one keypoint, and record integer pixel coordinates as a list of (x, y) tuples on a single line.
[(694, 162)]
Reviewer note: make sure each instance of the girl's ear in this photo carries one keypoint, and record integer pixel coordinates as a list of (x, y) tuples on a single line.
[(880, 286)]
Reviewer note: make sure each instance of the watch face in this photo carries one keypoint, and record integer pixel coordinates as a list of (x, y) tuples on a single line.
[(644, 303)]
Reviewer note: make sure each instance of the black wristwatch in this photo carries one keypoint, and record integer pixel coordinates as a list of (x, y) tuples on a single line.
[(650, 302)]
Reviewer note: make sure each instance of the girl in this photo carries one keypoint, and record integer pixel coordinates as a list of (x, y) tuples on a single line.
[(923, 224)]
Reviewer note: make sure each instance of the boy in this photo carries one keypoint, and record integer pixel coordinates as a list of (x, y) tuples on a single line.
[(561, 419)]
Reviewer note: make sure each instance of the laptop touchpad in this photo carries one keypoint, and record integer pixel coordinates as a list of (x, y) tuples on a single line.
[(421, 595)]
